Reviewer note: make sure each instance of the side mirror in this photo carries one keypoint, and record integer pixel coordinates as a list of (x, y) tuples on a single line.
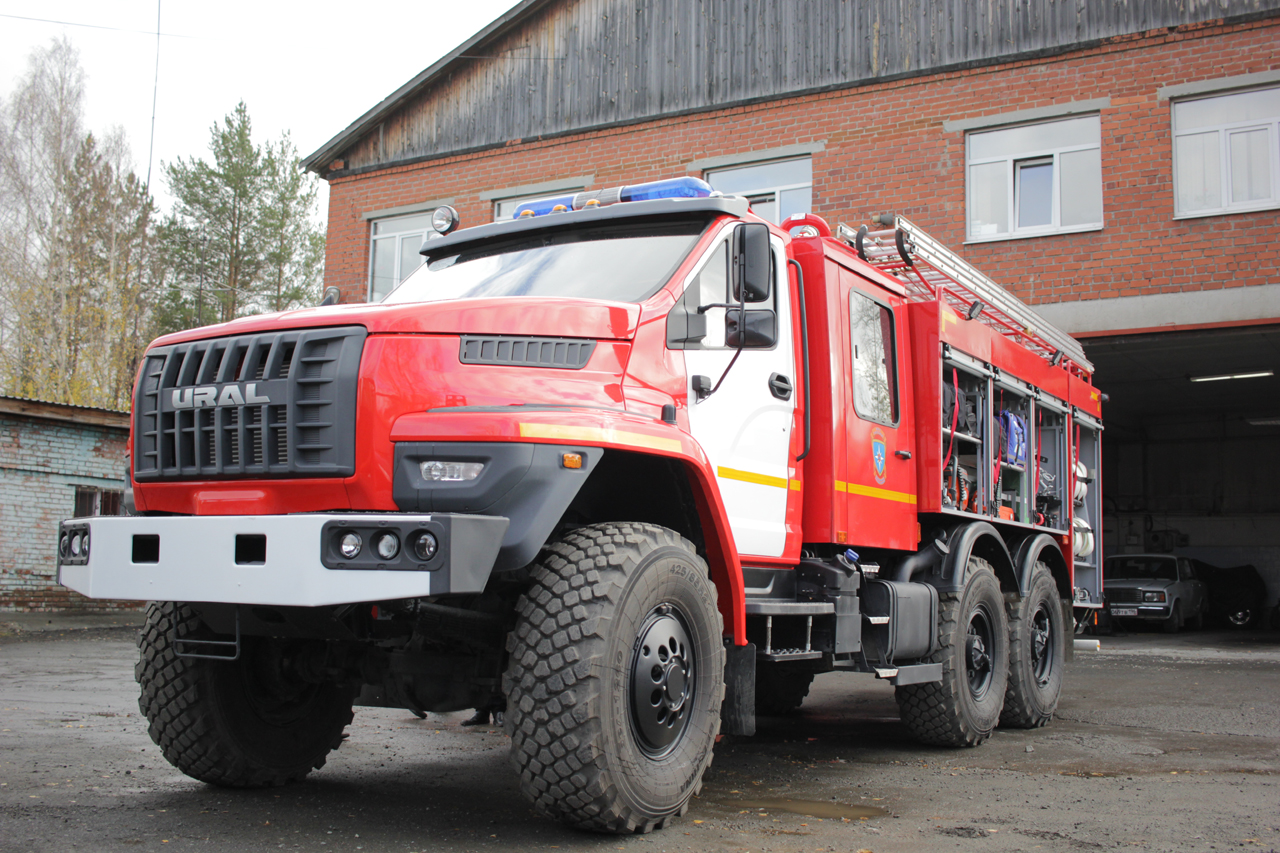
[(759, 330), (751, 262), (685, 326)]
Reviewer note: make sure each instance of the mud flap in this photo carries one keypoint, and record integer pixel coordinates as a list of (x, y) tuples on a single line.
[(738, 713)]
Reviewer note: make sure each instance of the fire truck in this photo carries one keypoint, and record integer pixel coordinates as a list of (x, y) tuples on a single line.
[(634, 465)]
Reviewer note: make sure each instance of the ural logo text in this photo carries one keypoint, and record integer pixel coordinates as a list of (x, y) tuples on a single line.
[(205, 396)]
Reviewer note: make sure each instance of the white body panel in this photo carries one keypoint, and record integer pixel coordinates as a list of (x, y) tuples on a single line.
[(744, 429), (197, 562)]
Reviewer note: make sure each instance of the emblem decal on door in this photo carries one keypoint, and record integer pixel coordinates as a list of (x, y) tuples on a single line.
[(879, 450)]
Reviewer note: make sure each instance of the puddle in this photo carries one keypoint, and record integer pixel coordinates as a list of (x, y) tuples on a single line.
[(811, 808)]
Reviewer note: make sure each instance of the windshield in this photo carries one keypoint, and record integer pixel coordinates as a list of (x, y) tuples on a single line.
[(621, 263), (1141, 568)]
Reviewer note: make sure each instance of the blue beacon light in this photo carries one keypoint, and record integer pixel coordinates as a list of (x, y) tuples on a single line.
[(686, 187)]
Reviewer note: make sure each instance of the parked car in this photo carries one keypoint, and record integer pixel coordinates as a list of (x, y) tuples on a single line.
[(1237, 594), (1156, 588)]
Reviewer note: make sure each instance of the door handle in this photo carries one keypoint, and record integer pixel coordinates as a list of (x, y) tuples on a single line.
[(780, 386), (902, 454)]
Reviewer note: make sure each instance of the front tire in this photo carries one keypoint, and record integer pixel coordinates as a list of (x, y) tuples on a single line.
[(973, 636), (247, 723), (1173, 624), (616, 678), (1036, 654)]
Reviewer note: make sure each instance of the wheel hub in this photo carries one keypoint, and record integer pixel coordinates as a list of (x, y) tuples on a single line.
[(1041, 646), (662, 680), (978, 659)]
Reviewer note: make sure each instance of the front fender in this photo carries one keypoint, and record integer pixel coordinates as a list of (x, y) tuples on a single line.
[(568, 427)]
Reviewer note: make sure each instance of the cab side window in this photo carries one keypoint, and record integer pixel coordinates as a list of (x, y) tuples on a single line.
[(875, 369), (711, 286)]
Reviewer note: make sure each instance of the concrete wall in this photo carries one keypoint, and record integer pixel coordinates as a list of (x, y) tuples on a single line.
[(42, 461)]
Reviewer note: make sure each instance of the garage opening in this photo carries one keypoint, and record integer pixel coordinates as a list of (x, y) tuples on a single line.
[(1191, 451)]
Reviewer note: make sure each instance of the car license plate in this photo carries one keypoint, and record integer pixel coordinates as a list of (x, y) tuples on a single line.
[(1124, 611)]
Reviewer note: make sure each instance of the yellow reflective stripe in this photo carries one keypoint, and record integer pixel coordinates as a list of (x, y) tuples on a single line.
[(795, 485), (873, 492), (752, 477), (560, 432)]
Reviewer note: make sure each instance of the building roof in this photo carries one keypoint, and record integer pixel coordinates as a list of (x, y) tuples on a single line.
[(91, 415), (319, 159), (549, 68)]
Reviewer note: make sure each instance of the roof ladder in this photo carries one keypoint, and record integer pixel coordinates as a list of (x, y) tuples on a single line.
[(931, 271)]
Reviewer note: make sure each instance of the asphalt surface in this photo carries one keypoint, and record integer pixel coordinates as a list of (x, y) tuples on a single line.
[(1160, 744)]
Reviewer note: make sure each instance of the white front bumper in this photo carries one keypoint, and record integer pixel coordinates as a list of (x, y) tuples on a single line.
[(196, 560)]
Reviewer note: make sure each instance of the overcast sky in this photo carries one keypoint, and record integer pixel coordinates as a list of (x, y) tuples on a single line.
[(310, 68)]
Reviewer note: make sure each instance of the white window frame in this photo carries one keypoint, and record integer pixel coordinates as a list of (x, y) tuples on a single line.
[(1015, 161), (421, 235), (771, 192), (1224, 157)]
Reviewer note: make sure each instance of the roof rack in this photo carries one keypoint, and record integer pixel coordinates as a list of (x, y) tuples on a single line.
[(931, 271)]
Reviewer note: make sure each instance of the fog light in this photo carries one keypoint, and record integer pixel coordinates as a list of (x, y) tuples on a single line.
[(425, 546), (75, 545), (84, 545), (64, 545), (387, 545), (450, 472), (350, 544)]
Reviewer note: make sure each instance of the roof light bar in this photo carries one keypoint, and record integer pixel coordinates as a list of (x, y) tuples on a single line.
[(686, 187), (1252, 374)]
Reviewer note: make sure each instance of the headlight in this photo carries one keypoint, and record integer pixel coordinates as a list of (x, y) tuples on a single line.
[(425, 546), (1153, 596), (387, 545), (349, 545), (450, 472)]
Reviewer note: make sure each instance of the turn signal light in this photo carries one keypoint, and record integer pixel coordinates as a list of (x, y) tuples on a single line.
[(571, 460)]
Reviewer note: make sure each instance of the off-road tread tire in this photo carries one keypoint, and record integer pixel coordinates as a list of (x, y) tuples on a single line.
[(1025, 707), (933, 712), (780, 689), (183, 721), (556, 678)]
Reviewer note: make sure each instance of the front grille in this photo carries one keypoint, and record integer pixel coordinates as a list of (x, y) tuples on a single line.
[(567, 353), (1122, 595), (277, 404)]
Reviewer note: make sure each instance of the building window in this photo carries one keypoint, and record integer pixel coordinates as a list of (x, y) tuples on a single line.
[(91, 501), (776, 190), (394, 252), (1035, 179), (505, 208), (1226, 153)]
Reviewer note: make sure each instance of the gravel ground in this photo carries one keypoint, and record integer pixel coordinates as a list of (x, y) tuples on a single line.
[(1160, 744)]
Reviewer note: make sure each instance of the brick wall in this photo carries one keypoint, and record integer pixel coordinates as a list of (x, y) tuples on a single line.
[(41, 464), (885, 149)]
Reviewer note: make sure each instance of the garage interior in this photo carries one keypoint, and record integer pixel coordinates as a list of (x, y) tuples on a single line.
[(1191, 450)]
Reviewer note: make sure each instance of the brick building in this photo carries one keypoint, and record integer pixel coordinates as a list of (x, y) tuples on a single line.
[(56, 462), (1115, 164)]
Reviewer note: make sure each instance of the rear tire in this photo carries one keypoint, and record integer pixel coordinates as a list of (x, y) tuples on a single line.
[(616, 678), (1036, 654), (247, 723), (780, 689), (973, 636)]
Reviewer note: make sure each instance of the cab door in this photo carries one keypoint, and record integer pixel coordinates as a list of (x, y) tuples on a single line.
[(880, 468), (745, 425)]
